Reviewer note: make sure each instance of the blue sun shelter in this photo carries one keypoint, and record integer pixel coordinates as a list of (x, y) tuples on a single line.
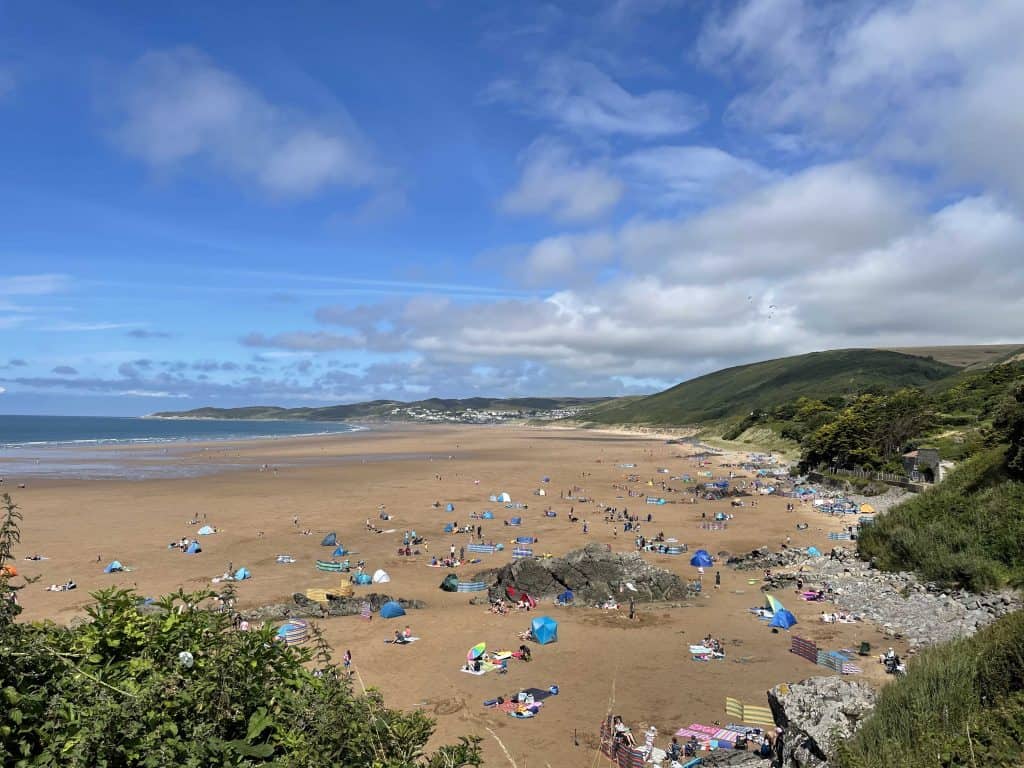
[(329, 540), (783, 619), (242, 574), (339, 551), (701, 559), (193, 548), (206, 530), (391, 610), (544, 630), (114, 567), (449, 507), (488, 515)]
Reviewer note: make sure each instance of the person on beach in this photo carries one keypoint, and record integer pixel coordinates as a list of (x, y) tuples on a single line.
[(622, 732), (718, 579), (346, 660)]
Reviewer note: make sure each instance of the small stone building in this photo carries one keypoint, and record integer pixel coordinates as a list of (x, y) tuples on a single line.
[(923, 465)]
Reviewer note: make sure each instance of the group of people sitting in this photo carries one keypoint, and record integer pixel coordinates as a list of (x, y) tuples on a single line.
[(893, 664), (840, 617), (182, 544), (402, 637), (713, 643), (444, 562), (67, 586)]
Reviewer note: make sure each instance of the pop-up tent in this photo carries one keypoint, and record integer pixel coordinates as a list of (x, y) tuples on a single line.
[(516, 521), (362, 578), (329, 540), (206, 530), (449, 507), (503, 497), (772, 604), (565, 598), (488, 515), (380, 576), (339, 551), (782, 619), (701, 559), (813, 552), (193, 548), (544, 630), (114, 567), (391, 610), (450, 583), (449, 527), (242, 574)]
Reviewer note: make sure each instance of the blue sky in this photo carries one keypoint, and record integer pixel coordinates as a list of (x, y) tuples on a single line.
[(332, 202)]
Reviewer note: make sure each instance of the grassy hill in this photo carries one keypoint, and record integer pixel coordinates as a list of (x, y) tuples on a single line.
[(969, 356), (734, 392), (383, 409)]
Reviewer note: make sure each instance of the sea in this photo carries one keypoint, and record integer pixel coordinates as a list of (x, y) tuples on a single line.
[(80, 446)]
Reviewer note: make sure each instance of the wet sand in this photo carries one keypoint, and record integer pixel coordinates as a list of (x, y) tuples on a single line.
[(602, 661)]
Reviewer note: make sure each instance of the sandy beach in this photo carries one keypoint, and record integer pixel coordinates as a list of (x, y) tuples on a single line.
[(602, 662)]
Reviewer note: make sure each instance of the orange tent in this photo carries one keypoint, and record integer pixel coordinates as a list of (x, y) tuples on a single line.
[(8, 570)]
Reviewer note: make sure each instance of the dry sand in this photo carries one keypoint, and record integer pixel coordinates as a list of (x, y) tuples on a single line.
[(602, 662)]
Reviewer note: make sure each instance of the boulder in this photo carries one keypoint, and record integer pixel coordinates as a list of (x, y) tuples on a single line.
[(592, 573), (817, 713)]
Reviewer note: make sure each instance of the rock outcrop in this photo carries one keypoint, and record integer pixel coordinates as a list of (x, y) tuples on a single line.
[(592, 573), (816, 714), (303, 607)]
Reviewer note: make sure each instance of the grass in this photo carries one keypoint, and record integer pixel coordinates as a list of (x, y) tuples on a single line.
[(968, 530), (962, 704), (964, 356), (734, 392)]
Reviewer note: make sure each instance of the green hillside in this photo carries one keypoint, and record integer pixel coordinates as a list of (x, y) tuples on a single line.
[(734, 392), (384, 409)]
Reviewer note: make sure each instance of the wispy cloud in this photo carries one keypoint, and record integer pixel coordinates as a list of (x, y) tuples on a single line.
[(579, 96), (65, 370), (73, 327), (302, 341), (176, 105), (35, 285), (143, 333)]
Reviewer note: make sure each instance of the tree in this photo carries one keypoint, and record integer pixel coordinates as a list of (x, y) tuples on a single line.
[(1008, 426)]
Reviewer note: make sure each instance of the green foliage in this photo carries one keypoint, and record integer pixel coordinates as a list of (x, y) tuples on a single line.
[(968, 530), (961, 704), (735, 392), (1008, 425), (113, 691), (870, 431)]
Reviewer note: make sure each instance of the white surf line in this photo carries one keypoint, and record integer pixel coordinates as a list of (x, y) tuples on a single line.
[(503, 749)]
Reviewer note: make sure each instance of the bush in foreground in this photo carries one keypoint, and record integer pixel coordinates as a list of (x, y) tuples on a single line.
[(176, 685), (962, 704)]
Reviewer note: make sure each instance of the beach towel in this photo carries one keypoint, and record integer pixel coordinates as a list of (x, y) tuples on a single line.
[(408, 640)]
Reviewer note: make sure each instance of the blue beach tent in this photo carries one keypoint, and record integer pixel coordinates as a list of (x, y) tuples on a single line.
[(114, 567), (193, 548), (813, 552), (329, 540), (449, 527), (391, 610), (782, 619), (242, 574), (488, 515), (206, 530), (363, 578), (544, 630), (449, 507), (339, 551), (701, 559)]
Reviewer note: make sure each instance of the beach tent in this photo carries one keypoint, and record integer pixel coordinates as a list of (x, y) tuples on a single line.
[(813, 552), (344, 589), (516, 521), (449, 507), (545, 479), (544, 630), (339, 551), (362, 578), (193, 548), (701, 559), (565, 598), (488, 515), (541, 492), (329, 540), (242, 574), (391, 610), (450, 583), (476, 651), (782, 619), (8, 570), (380, 576), (114, 567), (867, 509), (503, 497), (772, 604), (206, 530), (449, 527)]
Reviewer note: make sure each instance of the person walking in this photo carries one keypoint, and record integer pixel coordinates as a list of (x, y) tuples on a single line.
[(718, 579)]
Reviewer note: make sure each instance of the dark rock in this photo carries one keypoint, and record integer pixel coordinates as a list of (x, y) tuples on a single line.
[(592, 573)]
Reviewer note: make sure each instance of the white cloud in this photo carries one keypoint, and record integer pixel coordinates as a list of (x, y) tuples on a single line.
[(2, 390), (934, 82), (566, 258), (72, 327), (553, 183), (580, 97), (689, 175), (34, 285), (177, 106)]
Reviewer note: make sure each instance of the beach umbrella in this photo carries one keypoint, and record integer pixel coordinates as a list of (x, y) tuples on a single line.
[(476, 651)]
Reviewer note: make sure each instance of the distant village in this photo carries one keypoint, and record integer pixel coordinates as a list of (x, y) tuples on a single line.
[(473, 416)]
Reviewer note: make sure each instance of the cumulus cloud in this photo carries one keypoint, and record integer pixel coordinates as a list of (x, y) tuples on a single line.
[(555, 184), (926, 81), (177, 105), (580, 97), (302, 341)]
